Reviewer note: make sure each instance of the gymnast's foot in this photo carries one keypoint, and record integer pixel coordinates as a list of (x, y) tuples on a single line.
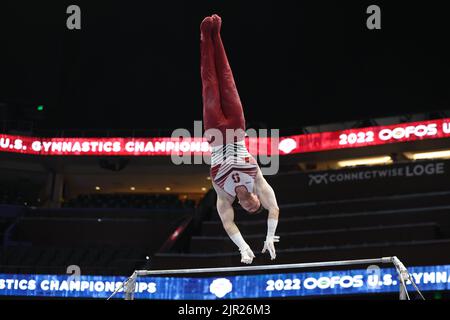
[(206, 27), (217, 23)]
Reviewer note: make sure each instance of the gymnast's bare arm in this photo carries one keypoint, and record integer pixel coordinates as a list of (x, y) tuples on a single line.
[(226, 213), (225, 210), (266, 195), (268, 200)]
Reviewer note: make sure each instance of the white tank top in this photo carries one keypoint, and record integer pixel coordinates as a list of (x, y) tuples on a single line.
[(232, 166)]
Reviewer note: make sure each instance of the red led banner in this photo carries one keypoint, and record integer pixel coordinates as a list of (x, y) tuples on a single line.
[(353, 138), (363, 137)]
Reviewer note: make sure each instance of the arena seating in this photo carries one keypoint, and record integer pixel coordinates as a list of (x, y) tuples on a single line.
[(99, 200), (99, 240), (127, 200), (403, 225), (104, 239), (16, 197)]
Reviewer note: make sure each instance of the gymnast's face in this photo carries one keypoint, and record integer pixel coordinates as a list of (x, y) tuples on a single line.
[(249, 201)]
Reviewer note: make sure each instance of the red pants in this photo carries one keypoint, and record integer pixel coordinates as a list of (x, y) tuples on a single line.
[(222, 108)]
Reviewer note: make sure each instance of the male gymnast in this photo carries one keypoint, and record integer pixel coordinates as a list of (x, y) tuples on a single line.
[(234, 171)]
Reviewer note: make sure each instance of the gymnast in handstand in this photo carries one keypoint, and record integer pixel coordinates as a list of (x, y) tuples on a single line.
[(234, 171)]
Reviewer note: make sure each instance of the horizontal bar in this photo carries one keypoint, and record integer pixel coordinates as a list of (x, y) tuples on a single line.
[(266, 267)]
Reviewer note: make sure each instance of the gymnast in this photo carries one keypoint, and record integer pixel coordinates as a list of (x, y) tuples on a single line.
[(234, 171)]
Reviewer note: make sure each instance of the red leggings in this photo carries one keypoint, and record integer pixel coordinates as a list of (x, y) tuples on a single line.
[(222, 108)]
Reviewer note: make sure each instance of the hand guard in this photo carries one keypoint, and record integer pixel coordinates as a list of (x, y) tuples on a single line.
[(247, 255), (269, 244)]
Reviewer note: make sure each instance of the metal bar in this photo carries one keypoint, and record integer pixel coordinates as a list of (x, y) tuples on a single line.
[(417, 289), (266, 267), (130, 286)]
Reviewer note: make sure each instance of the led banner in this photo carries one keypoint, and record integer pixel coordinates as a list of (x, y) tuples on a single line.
[(364, 137), (354, 138), (102, 146), (365, 281)]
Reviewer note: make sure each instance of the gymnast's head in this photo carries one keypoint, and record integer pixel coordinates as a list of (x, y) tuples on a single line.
[(248, 201)]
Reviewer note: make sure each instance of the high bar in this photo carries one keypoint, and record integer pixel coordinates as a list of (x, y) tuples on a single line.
[(267, 267)]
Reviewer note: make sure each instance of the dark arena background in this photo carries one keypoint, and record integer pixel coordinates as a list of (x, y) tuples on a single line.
[(90, 190)]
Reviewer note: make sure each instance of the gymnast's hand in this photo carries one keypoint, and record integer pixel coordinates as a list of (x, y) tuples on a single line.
[(269, 244), (247, 255)]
